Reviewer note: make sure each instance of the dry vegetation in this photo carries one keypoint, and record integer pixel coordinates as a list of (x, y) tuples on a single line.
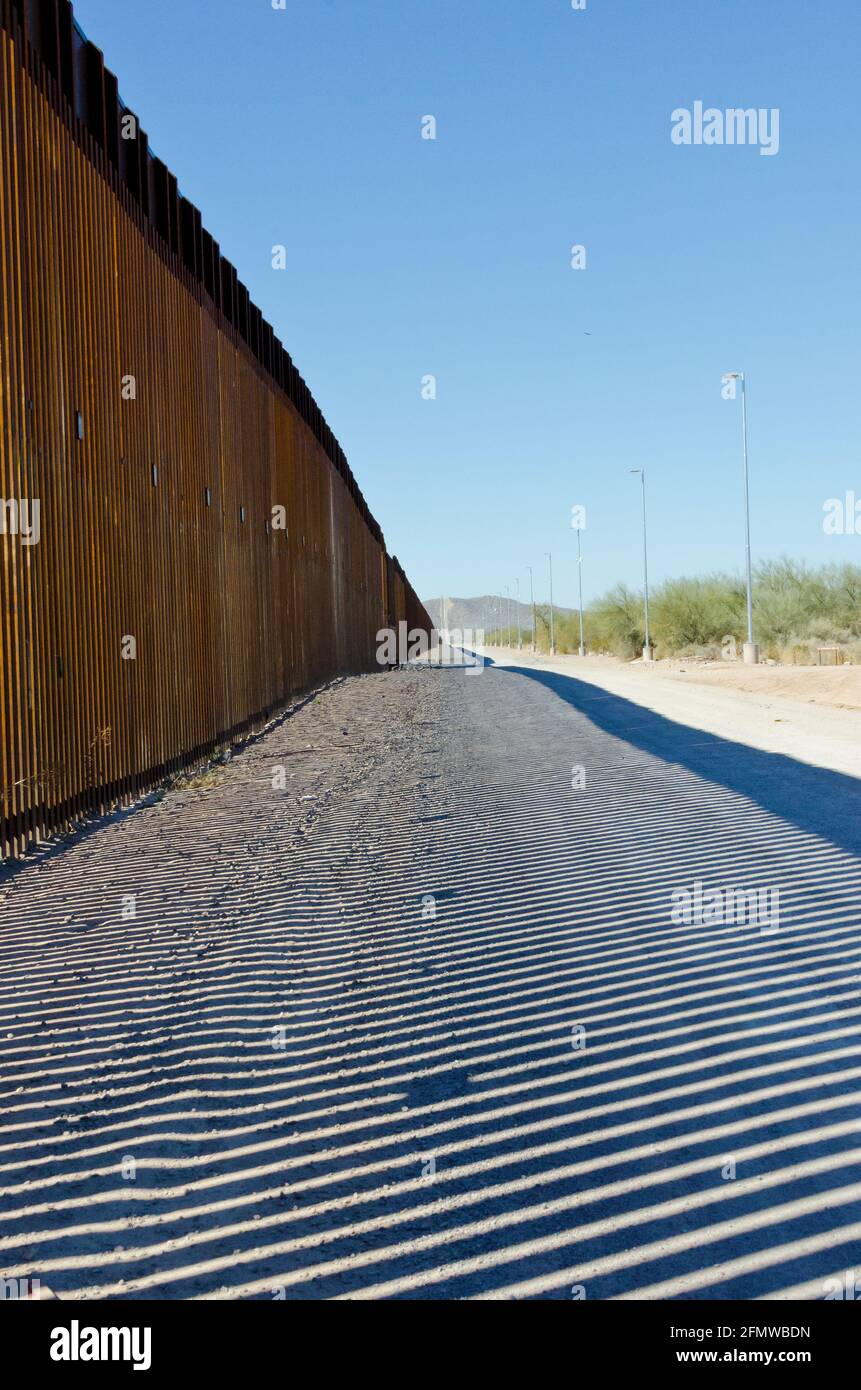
[(798, 610)]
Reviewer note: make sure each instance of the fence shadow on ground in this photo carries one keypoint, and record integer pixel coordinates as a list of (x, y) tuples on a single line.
[(813, 798), (540, 1087)]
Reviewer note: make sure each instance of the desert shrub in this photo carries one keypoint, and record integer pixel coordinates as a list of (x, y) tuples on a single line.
[(796, 609)]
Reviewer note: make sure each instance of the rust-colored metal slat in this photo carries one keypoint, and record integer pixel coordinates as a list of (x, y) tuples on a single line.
[(156, 608)]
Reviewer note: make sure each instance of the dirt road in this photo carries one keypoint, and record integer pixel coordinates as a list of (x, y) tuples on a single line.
[(413, 1004), (809, 713)]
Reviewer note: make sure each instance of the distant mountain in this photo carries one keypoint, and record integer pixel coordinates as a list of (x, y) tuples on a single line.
[(487, 611)]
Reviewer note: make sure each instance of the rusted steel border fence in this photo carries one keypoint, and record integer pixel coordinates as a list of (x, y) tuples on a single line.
[(182, 543)]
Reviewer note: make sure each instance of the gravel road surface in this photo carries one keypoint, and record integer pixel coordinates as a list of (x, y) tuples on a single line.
[(407, 1001)]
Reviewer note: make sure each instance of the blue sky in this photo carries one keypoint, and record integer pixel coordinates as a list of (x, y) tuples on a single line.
[(409, 257)]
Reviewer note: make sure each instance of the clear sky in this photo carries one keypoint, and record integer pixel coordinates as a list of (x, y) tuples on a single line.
[(408, 257)]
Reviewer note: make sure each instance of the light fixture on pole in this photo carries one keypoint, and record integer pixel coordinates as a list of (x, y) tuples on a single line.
[(580, 584), (552, 628), (577, 522), (647, 649), (532, 604), (751, 649)]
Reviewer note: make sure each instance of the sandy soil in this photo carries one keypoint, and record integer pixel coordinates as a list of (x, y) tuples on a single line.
[(839, 687)]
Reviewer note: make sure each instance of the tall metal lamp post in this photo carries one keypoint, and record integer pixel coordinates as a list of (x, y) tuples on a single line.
[(647, 649), (580, 584), (751, 649), (552, 628), (532, 605)]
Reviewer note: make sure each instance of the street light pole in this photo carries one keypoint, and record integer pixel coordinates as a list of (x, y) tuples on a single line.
[(580, 581), (552, 629), (751, 650), (532, 605), (647, 649), (517, 607)]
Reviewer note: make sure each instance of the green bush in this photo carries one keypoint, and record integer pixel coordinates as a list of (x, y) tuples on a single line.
[(796, 609)]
